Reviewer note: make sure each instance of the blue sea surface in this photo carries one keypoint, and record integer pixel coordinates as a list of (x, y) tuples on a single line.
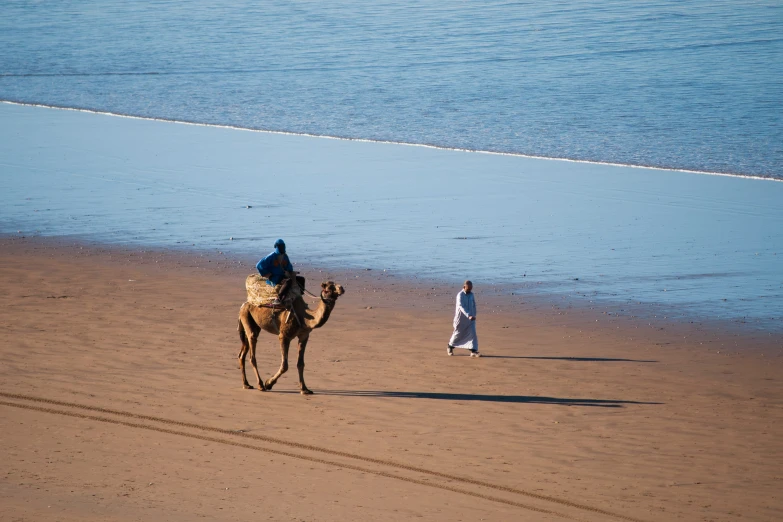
[(682, 85)]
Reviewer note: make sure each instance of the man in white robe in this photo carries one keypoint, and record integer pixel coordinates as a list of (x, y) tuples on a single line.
[(464, 335)]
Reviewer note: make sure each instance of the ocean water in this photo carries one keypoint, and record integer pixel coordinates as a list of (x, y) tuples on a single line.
[(682, 85), (682, 245)]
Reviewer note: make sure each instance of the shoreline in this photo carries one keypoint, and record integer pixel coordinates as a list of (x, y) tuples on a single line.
[(432, 294), (386, 142), (675, 242), (567, 414)]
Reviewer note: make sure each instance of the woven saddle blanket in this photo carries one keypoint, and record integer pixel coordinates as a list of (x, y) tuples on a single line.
[(259, 292)]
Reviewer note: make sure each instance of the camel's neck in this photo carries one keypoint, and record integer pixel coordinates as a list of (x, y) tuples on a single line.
[(320, 315)]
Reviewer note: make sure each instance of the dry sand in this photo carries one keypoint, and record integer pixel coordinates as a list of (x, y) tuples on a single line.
[(120, 399)]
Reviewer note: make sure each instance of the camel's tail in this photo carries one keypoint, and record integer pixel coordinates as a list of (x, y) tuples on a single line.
[(242, 338), (241, 329)]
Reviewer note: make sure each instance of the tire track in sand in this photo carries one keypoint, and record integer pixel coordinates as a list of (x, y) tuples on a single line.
[(311, 448)]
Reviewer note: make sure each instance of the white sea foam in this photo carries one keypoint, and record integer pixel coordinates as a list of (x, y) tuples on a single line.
[(309, 135)]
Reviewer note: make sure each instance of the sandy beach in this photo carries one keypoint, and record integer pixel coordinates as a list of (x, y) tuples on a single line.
[(121, 400)]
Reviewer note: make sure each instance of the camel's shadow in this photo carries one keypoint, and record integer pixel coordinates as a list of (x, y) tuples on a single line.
[(517, 399), (574, 359)]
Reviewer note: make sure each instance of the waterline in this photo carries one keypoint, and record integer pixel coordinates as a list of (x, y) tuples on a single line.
[(365, 140)]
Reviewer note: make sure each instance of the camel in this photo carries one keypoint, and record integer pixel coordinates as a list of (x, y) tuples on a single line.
[(253, 319)]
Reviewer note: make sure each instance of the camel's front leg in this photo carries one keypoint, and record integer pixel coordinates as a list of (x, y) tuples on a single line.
[(284, 344), (300, 365)]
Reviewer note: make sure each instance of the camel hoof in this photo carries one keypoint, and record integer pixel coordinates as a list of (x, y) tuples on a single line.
[(268, 386), (247, 387), (306, 392)]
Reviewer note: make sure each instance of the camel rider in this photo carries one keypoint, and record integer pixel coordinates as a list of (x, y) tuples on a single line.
[(277, 269)]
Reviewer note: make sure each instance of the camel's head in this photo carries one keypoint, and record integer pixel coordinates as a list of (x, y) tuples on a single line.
[(331, 291)]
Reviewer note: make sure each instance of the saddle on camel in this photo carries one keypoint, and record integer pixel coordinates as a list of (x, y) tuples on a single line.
[(265, 295)]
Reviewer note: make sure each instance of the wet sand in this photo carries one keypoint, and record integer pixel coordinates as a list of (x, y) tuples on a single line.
[(696, 246), (121, 400)]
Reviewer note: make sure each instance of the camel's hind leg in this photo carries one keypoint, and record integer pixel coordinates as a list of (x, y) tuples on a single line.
[(242, 353), (284, 344), (300, 365), (248, 334)]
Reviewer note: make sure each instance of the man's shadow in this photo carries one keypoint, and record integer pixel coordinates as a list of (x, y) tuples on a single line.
[(517, 399)]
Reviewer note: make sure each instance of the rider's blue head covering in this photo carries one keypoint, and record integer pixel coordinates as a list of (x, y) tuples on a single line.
[(278, 244)]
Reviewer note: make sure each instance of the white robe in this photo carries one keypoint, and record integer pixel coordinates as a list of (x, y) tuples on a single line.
[(464, 335)]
